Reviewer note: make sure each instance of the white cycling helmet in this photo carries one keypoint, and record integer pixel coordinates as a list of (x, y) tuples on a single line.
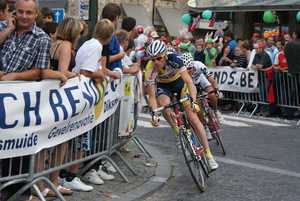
[(187, 59), (156, 48)]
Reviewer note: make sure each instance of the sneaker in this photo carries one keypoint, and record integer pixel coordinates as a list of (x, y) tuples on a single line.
[(212, 163), (267, 113), (219, 116), (60, 181), (178, 145), (208, 133), (77, 185), (108, 166), (92, 177), (259, 113), (103, 175)]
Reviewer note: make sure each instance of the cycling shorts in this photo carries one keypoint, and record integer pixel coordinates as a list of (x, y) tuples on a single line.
[(169, 89), (203, 82)]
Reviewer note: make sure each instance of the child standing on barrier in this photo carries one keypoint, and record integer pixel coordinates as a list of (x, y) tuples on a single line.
[(88, 63)]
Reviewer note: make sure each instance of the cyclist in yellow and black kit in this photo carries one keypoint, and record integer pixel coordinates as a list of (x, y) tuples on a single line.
[(167, 72)]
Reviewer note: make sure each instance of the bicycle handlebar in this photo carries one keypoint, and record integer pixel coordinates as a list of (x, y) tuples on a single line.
[(152, 112), (205, 94)]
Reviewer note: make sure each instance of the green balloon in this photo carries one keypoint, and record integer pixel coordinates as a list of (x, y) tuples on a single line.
[(268, 17), (186, 18)]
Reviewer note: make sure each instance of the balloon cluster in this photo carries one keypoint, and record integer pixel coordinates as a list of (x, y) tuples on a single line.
[(186, 18)]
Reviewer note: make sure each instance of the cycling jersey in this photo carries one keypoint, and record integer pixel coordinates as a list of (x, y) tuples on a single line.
[(170, 72), (199, 69), (200, 74)]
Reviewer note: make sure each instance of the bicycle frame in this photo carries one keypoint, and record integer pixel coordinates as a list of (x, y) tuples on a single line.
[(182, 124)]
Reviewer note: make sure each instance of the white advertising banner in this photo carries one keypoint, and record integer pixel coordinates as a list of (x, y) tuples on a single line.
[(37, 115), (127, 107), (235, 79)]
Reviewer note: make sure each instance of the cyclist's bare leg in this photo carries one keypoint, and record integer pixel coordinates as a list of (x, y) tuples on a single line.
[(212, 98), (167, 113), (198, 127), (200, 114)]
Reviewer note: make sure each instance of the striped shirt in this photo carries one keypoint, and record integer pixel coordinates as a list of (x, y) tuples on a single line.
[(241, 60), (31, 49)]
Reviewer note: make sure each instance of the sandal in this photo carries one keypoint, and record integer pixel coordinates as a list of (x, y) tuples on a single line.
[(46, 193), (124, 149), (64, 191), (33, 198)]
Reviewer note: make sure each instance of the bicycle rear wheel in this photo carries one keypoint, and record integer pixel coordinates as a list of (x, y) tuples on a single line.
[(215, 129), (191, 161)]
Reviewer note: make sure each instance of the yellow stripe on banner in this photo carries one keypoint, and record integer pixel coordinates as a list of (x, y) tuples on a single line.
[(98, 108), (127, 88)]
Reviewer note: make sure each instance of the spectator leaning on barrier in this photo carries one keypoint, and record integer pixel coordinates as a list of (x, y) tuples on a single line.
[(262, 60), (111, 53), (128, 66), (35, 44), (88, 63), (62, 60), (292, 50), (225, 58), (239, 59), (283, 81)]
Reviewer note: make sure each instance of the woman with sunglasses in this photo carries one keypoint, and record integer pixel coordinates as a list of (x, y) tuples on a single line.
[(165, 75)]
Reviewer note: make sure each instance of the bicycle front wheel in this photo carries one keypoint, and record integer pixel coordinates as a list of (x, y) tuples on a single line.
[(191, 161), (215, 129)]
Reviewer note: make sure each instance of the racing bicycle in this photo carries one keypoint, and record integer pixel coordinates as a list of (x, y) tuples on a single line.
[(214, 124), (192, 149)]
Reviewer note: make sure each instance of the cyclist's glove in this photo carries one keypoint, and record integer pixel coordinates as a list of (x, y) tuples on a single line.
[(195, 106), (219, 94), (156, 119)]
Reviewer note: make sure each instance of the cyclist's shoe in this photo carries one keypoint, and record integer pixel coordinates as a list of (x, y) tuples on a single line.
[(176, 130), (219, 116), (208, 133), (178, 145), (213, 165)]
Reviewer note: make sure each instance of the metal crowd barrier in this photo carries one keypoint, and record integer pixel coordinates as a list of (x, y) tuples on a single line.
[(286, 91), (31, 169)]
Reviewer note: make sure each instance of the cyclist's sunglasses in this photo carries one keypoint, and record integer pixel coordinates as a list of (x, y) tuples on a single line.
[(157, 58)]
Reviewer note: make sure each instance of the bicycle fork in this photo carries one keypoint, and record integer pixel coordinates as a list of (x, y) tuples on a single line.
[(198, 151)]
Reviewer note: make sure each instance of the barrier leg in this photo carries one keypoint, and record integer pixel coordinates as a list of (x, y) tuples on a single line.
[(125, 162), (242, 107), (141, 146), (256, 106), (32, 183)]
